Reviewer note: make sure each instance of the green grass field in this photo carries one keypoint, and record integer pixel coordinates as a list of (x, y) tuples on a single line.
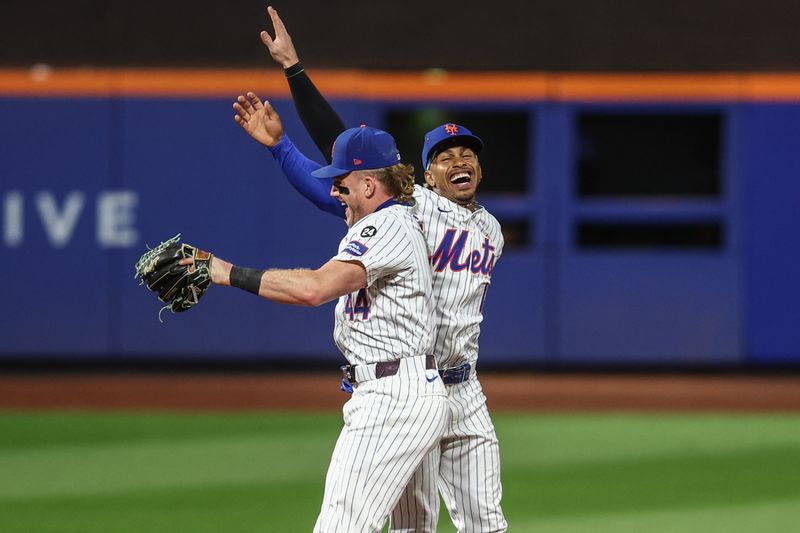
[(83, 473)]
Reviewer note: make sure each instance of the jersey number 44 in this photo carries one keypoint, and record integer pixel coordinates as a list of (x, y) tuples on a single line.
[(359, 307)]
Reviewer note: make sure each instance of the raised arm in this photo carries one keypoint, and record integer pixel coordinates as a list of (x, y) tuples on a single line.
[(261, 121), (319, 118)]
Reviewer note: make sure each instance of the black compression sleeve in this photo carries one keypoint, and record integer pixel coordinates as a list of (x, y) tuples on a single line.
[(319, 118)]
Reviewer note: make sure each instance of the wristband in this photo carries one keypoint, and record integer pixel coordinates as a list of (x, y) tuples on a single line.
[(248, 279), (294, 70)]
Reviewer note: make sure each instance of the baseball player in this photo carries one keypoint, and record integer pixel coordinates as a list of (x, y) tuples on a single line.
[(384, 326), (464, 243)]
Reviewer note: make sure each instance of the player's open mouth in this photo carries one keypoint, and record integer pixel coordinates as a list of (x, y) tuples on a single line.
[(459, 178)]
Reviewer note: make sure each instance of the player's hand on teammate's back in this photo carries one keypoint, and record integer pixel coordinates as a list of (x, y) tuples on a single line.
[(259, 120), (280, 48)]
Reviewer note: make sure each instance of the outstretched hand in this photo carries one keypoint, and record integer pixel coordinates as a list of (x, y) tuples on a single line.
[(280, 48), (259, 120)]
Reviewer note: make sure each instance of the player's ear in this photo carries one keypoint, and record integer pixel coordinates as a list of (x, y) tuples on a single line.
[(369, 185), (429, 179)]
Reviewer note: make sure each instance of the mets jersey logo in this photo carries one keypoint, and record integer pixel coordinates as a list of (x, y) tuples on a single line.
[(355, 248), (452, 129), (450, 250)]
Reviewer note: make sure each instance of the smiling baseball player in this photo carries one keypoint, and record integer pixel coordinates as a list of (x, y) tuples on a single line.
[(384, 326), (464, 243)]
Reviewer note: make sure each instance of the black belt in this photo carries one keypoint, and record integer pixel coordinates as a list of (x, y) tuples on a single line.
[(383, 369), (453, 376)]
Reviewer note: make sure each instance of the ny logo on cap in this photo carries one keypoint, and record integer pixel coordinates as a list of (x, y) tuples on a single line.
[(452, 129)]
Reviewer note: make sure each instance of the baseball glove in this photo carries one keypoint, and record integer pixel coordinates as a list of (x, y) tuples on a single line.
[(178, 286)]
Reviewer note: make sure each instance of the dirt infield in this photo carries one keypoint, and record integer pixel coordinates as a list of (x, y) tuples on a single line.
[(319, 391)]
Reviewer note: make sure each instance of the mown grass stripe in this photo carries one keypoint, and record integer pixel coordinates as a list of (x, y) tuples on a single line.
[(64, 472)]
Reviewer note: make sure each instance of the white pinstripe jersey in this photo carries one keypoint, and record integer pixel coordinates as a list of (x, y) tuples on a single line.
[(463, 247), (392, 317)]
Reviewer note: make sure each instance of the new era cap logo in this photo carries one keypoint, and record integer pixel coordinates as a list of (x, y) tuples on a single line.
[(357, 161), (452, 129)]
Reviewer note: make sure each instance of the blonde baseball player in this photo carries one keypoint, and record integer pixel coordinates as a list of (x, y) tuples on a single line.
[(384, 326), (464, 242)]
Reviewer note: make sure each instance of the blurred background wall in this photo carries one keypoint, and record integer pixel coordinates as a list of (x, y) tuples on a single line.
[(588, 35), (642, 157)]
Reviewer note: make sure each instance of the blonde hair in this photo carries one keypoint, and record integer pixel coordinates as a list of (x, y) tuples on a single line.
[(398, 180)]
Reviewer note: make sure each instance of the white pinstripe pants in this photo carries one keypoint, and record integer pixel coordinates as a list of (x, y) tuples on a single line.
[(465, 467), (390, 425)]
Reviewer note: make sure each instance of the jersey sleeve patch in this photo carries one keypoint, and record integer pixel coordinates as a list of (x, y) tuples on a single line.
[(355, 248), (369, 231)]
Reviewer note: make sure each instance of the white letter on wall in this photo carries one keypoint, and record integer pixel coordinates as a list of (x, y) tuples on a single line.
[(59, 226), (12, 220), (116, 216)]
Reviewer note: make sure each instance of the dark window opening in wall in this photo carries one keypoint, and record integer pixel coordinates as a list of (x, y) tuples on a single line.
[(517, 234), (504, 159), (648, 155), (649, 235)]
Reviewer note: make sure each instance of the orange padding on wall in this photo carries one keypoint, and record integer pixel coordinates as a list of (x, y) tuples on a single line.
[(428, 85)]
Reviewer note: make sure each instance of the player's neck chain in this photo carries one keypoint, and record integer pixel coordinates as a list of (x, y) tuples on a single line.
[(472, 206)]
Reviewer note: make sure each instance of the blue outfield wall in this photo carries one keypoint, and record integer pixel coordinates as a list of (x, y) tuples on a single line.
[(87, 182), (771, 209)]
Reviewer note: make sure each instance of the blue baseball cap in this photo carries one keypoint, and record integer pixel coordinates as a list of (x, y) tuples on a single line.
[(364, 148), (445, 136)]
